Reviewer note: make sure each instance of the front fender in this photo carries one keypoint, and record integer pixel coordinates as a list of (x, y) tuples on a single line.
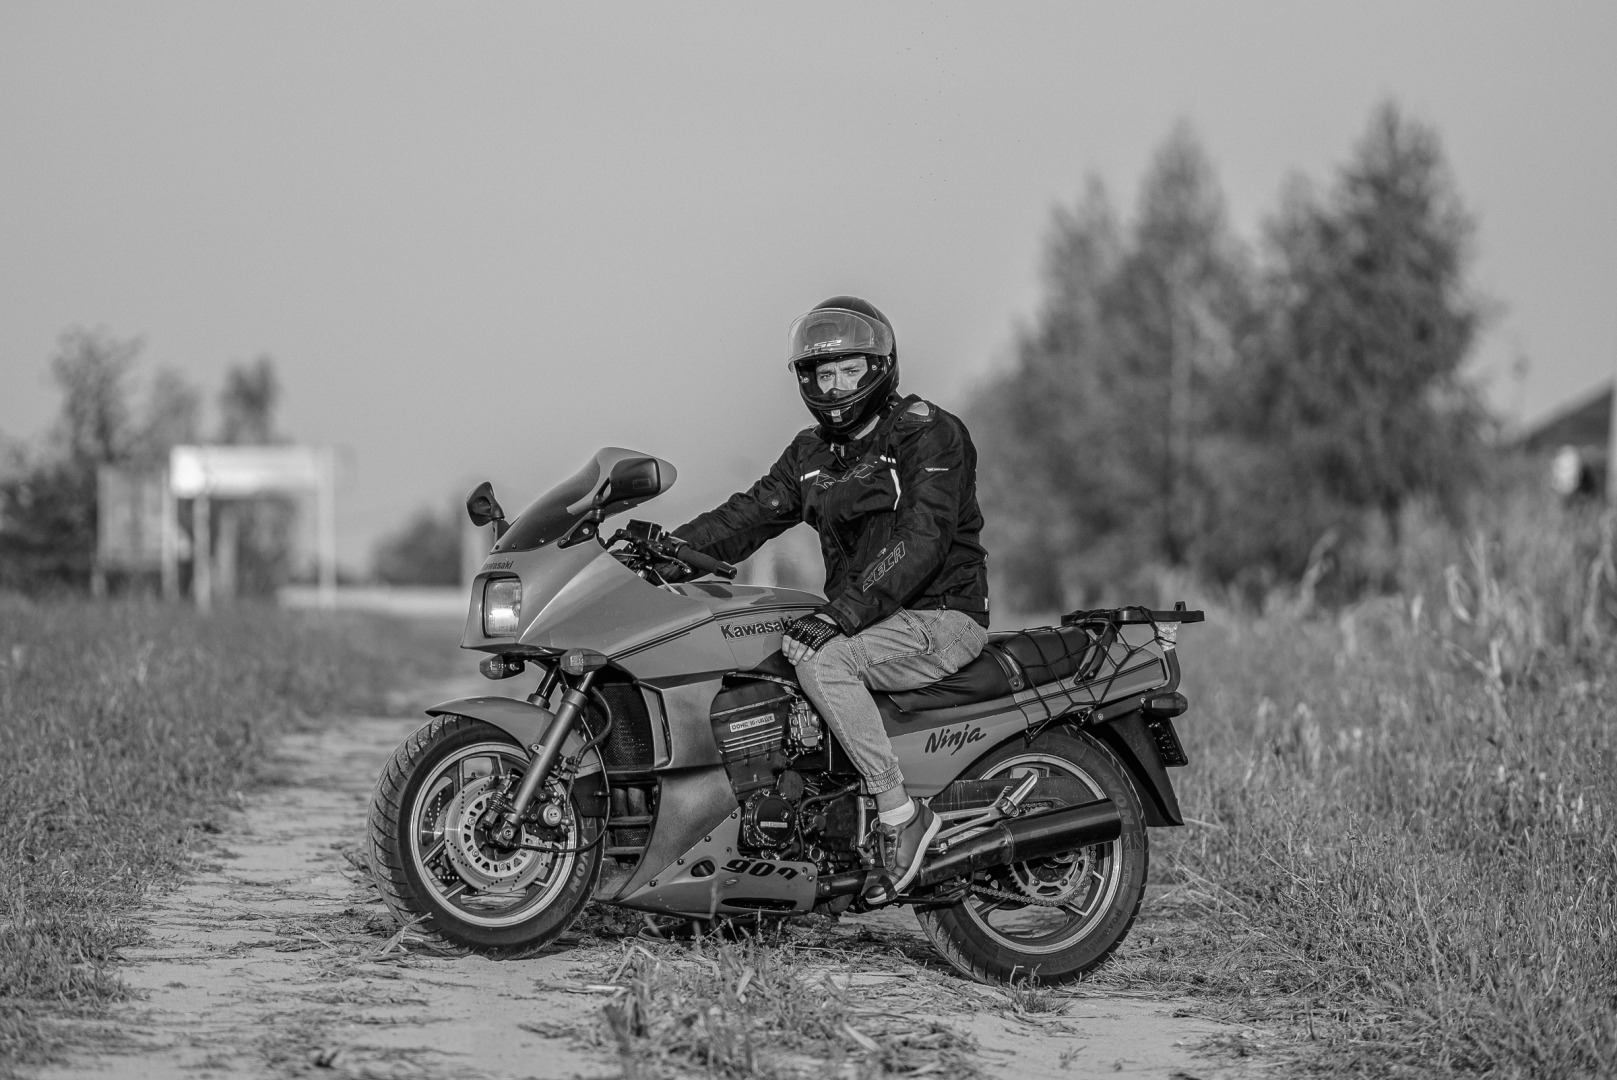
[(525, 723)]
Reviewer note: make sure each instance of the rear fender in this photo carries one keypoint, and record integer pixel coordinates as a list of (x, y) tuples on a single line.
[(525, 723), (1128, 737), (1121, 725)]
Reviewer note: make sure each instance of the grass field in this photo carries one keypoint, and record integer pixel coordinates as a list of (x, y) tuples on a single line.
[(127, 727), (1402, 856), (1401, 859), (1405, 852)]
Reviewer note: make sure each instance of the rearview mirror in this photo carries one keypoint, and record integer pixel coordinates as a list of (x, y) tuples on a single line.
[(635, 478), (481, 505)]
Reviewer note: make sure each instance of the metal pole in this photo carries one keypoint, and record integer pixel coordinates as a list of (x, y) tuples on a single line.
[(201, 554), (328, 532), (168, 542), (225, 548), (104, 481)]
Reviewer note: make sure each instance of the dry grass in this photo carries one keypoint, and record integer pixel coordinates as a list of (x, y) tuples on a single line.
[(1405, 852), (1403, 858), (789, 1002), (128, 726)]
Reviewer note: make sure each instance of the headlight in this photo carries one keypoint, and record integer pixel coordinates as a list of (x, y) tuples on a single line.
[(502, 607)]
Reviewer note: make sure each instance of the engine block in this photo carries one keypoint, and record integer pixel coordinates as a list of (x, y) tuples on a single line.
[(760, 726)]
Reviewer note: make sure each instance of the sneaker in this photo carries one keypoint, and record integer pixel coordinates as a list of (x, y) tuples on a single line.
[(900, 849)]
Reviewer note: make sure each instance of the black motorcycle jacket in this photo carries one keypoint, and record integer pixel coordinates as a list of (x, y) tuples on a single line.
[(896, 512)]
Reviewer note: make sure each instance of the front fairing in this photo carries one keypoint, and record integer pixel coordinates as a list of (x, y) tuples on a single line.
[(581, 597), (577, 597)]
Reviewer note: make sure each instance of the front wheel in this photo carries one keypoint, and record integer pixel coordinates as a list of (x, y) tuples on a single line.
[(1049, 919), (440, 868)]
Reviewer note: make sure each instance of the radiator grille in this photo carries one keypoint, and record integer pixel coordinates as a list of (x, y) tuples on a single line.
[(629, 745)]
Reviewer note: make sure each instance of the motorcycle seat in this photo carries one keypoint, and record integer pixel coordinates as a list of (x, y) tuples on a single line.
[(1009, 663)]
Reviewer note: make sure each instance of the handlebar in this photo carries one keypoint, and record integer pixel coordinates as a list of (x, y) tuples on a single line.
[(705, 563), (650, 542)]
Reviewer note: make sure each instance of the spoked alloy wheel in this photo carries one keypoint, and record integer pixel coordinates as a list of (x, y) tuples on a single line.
[(1054, 918), (438, 865)]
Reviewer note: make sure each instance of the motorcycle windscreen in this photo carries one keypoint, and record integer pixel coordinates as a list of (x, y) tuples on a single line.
[(613, 480), (549, 516)]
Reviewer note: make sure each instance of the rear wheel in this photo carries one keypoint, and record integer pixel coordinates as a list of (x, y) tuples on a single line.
[(440, 868), (1049, 919)]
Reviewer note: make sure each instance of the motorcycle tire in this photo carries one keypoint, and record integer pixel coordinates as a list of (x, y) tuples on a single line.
[(475, 898), (1071, 910)]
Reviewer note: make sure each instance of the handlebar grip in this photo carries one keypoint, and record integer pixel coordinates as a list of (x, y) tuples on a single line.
[(705, 563)]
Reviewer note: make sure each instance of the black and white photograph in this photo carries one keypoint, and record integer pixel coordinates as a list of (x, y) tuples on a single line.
[(930, 540)]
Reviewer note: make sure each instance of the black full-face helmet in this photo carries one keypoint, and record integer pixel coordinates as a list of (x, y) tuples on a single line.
[(843, 328)]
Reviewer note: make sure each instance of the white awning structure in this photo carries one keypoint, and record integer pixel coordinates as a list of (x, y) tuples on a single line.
[(201, 473), (238, 471)]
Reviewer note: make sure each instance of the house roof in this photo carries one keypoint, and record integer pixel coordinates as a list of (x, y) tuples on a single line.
[(1582, 423)]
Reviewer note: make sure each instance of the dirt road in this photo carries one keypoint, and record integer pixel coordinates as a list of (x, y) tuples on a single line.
[(277, 959)]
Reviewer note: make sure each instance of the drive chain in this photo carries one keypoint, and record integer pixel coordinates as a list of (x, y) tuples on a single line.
[(1020, 898)]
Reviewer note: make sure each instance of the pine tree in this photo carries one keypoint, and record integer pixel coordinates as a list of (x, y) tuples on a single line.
[(1359, 391), (1088, 442)]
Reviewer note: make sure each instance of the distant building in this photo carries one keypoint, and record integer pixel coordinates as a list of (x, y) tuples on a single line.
[(1575, 441)]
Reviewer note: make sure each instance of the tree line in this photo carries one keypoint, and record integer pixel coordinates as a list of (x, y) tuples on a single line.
[(1254, 414)]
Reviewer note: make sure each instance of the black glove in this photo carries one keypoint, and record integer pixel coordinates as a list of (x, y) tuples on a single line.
[(811, 632)]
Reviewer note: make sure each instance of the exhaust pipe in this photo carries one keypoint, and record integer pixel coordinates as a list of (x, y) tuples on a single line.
[(1019, 839)]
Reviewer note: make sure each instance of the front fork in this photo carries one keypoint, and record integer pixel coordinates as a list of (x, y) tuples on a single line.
[(544, 754)]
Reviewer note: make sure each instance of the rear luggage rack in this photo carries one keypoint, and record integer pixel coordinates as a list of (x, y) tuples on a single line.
[(1133, 616)]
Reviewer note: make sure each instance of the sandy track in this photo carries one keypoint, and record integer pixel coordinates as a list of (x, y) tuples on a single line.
[(274, 959)]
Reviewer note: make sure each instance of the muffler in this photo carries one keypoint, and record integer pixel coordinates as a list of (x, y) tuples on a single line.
[(1019, 839)]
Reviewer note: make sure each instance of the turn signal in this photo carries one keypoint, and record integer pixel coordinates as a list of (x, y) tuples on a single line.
[(578, 661), (1169, 704), (501, 667)]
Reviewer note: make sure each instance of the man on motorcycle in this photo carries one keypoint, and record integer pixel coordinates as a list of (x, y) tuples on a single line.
[(890, 484)]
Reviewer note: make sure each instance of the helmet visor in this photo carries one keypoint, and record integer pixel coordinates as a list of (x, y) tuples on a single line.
[(832, 332)]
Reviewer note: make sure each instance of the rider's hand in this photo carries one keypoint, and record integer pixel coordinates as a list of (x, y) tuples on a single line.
[(802, 638)]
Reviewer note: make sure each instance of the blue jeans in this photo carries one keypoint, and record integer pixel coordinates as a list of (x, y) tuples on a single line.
[(907, 650)]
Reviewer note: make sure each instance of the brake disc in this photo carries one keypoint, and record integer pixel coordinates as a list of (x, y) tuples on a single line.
[(480, 863)]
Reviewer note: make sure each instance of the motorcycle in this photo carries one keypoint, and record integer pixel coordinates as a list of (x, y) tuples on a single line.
[(668, 762)]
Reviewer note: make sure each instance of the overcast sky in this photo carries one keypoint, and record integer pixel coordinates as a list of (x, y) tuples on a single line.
[(481, 240)]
